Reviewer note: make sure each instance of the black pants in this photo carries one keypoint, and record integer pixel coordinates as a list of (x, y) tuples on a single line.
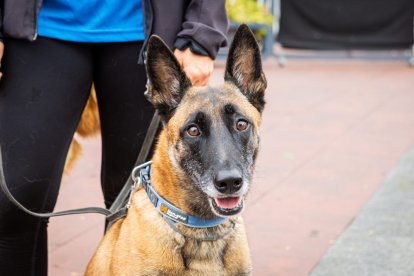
[(43, 91)]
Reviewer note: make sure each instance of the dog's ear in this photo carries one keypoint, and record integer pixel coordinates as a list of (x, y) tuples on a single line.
[(244, 67), (167, 81)]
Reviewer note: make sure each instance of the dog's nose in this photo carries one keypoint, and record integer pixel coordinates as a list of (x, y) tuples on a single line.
[(228, 181)]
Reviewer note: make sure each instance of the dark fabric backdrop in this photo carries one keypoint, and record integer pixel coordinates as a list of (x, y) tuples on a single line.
[(346, 24)]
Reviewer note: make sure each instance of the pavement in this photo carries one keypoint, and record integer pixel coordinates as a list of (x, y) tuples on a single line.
[(334, 181)]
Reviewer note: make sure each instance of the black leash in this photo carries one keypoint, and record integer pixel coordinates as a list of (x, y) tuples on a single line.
[(118, 208), (6, 191), (122, 197)]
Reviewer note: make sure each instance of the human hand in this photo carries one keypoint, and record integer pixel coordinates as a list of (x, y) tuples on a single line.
[(198, 68), (1, 56)]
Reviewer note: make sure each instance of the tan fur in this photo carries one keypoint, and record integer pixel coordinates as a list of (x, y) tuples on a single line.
[(144, 244), (89, 123), (88, 126), (74, 152)]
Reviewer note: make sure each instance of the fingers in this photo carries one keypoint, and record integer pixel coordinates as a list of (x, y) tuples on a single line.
[(199, 76), (198, 68)]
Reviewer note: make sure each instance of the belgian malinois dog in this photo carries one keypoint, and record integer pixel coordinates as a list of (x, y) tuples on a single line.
[(203, 165)]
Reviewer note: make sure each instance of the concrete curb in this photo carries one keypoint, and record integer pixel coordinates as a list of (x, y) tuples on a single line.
[(380, 241)]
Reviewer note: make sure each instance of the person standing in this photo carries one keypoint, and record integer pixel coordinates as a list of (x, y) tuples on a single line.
[(53, 51)]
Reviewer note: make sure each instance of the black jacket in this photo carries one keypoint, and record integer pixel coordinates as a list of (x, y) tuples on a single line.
[(200, 25)]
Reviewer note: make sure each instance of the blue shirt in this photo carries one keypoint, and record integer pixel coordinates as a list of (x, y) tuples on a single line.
[(92, 20)]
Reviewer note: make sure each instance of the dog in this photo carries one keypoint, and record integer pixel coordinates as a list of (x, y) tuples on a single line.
[(202, 165)]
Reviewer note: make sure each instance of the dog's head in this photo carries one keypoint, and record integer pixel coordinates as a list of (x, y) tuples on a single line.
[(210, 136)]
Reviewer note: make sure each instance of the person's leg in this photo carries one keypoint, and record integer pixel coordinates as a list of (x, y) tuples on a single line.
[(124, 111), (44, 88)]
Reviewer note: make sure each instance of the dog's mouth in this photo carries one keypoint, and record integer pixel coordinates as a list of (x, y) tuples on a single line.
[(227, 206)]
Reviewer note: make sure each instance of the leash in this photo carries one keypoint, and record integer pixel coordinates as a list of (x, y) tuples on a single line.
[(6, 191), (118, 208)]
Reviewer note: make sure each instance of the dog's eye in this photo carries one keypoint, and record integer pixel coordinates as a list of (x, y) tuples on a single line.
[(193, 131), (242, 125)]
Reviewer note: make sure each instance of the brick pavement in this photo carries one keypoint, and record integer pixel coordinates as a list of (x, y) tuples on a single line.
[(331, 132)]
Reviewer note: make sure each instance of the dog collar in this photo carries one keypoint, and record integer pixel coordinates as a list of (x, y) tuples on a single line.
[(168, 210)]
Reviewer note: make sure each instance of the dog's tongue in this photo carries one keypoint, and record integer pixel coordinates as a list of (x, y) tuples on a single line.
[(228, 202)]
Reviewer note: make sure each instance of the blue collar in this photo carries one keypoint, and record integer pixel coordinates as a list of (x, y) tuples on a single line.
[(171, 212)]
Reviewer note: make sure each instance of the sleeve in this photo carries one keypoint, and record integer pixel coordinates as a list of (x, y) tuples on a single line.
[(204, 29)]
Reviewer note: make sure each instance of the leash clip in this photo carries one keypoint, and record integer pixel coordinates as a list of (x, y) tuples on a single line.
[(136, 177), (137, 182)]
